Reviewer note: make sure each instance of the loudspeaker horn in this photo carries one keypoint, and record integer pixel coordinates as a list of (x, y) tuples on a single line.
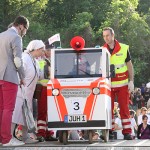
[(77, 43)]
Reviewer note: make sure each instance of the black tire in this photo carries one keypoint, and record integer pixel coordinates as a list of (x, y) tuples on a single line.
[(65, 137), (105, 134), (60, 135), (90, 136)]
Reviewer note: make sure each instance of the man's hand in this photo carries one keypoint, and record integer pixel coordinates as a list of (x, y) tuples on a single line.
[(131, 86), (22, 82)]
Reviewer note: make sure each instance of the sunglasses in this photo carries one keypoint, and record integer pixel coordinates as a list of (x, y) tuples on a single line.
[(25, 27)]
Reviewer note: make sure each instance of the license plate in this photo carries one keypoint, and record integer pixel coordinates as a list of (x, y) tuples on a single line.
[(75, 118)]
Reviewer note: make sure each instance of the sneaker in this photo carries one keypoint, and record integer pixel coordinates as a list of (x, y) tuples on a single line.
[(127, 137), (14, 142), (31, 141)]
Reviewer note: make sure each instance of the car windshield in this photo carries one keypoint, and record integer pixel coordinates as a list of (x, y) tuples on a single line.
[(73, 64)]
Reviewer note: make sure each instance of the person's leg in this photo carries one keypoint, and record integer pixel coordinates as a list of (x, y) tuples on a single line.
[(13, 125), (74, 135), (42, 114), (9, 98), (123, 99), (113, 96), (1, 108)]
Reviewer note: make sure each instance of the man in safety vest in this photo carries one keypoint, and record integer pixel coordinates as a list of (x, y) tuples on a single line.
[(122, 83)]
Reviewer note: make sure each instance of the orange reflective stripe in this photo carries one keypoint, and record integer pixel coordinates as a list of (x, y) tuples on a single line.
[(90, 100), (104, 83), (105, 91), (49, 92), (58, 110), (95, 98), (60, 100)]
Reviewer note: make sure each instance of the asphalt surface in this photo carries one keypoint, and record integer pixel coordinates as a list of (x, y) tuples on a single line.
[(84, 145)]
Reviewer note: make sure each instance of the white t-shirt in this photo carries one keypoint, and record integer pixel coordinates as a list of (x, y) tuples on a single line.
[(119, 132), (140, 119), (133, 124)]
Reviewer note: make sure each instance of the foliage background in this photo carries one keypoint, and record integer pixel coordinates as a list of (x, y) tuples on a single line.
[(129, 18)]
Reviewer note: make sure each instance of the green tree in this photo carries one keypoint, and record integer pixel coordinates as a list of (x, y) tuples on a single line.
[(131, 29), (32, 9), (143, 7), (81, 26)]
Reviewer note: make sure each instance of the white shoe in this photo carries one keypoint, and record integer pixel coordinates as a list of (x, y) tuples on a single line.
[(31, 141), (14, 142)]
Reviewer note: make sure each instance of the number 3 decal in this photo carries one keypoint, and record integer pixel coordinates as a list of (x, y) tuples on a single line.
[(76, 106)]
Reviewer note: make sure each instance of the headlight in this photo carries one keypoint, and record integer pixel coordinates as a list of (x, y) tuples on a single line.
[(55, 92), (96, 91)]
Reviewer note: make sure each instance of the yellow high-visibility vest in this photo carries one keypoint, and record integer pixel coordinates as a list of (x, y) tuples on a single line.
[(121, 70), (41, 64)]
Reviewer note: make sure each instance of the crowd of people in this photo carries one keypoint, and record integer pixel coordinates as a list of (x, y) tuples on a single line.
[(139, 124), (139, 114), (140, 97), (25, 75)]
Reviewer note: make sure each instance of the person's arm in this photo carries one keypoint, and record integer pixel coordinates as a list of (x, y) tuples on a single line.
[(131, 76), (130, 70), (138, 132), (17, 52), (117, 124), (139, 120), (117, 127), (135, 125)]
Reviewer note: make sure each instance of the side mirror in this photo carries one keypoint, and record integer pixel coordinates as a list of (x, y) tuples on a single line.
[(112, 71)]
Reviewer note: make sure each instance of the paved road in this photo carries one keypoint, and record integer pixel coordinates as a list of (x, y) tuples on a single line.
[(84, 145)]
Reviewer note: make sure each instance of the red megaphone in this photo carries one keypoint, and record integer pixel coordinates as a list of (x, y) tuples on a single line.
[(77, 43)]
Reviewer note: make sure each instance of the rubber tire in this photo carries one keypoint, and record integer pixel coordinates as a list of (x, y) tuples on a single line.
[(105, 134), (60, 135), (90, 134), (65, 137)]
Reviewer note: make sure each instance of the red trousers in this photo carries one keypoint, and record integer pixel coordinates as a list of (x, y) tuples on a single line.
[(122, 95), (42, 128), (8, 93)]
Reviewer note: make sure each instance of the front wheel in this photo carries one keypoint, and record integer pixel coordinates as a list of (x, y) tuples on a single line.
[(60, 135), (65, 137), (105, 134), (90, 136)]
